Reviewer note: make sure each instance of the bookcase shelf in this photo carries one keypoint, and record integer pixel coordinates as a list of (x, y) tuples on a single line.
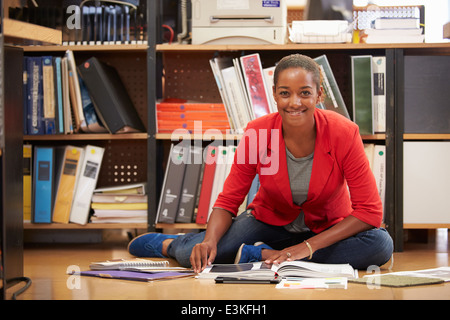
[(426, 136), (96, 48), (180, 226), (87, 136), (426, 225), (19, 32), (73, 226), (304, 46), (169, 136)]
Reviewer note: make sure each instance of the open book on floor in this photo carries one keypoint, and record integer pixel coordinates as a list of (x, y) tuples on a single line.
[(261, 270)]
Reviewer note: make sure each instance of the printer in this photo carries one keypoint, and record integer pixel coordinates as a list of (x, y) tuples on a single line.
[(239, 21)]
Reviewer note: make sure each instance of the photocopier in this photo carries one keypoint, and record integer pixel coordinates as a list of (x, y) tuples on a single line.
[(239, 21)]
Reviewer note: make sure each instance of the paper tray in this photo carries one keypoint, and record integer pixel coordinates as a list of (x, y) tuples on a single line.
[(320, 31)]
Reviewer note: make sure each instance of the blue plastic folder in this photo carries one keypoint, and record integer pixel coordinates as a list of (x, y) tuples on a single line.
[(43, 177)]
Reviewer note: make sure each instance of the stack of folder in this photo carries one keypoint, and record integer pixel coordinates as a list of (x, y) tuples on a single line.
[(122, 204)]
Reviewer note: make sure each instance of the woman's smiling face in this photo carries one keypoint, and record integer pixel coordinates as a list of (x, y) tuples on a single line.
[(296, 95)]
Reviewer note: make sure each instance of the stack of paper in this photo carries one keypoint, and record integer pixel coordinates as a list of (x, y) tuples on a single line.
[(394, 30), (120, 204)]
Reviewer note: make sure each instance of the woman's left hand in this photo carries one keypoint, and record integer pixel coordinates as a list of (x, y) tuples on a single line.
[(296, 252)]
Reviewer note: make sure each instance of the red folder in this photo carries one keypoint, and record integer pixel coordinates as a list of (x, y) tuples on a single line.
[(207, 183)]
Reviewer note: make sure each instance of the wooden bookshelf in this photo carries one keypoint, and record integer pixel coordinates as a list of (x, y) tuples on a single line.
[(19, 32), (426, 136), (86, 136), (229, 136), (95, 48), (73, 226), (180, 226), (445, 46), (426, 225)]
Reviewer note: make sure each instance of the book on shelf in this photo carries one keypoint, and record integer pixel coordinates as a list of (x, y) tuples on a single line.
[(93, 123), (119, 206), (27, 181), (255, 84), (261, 270), (333, 98), (172, 184), (75, 93), (191, 183), (139, 188), (43, 184), (379, 93), (110, 97), (376, 155), (58, 88), (33, 104), (362, 93), (48, 85), (393, 30), (70, 169), (396, 23), (172, 114), (90, 170), (221, 170), (119, 198), (268, 79), (209, 170), (66, 106), (214, 63), (237, 97), (392, 35), (379, 171), (119, 216)]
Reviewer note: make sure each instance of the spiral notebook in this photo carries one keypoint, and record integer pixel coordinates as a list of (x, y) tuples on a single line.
[(138, 264)]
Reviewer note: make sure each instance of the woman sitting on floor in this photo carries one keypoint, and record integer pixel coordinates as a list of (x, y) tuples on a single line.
[(317, 200)]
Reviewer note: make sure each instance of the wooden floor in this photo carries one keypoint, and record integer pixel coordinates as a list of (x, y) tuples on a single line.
[(48, 264)]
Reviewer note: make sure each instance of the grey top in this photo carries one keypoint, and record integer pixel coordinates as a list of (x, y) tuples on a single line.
[(299, 170)]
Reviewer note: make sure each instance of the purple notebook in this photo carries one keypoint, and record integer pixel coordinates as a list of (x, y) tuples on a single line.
[(137, 276)]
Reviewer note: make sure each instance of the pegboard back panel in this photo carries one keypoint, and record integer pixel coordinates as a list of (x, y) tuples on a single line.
[(189, 76), (132, 69), (124, 162)]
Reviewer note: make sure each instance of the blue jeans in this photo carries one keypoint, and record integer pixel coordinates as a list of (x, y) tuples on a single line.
[(371, 247)]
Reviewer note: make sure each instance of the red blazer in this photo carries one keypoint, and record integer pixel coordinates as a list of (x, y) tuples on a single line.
[(340, 165)]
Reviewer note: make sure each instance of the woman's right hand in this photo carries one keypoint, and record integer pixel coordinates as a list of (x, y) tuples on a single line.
[(203, 254)]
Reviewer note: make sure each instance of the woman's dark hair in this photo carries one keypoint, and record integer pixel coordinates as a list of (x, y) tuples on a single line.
[(298, 61)]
